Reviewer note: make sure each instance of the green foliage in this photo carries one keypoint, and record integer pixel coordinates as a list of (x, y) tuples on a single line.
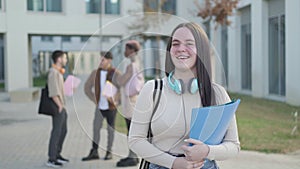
[(266, 125), (40, 81), (1, 85), (121, 124)]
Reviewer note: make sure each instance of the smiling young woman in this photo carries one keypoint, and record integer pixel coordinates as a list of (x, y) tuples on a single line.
[(187, 85)]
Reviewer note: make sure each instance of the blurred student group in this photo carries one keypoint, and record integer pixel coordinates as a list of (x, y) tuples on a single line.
[(259, 42)]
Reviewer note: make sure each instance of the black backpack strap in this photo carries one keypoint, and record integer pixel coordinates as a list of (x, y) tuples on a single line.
[(159, 96), (156, 103), (145, 164), (155, 90)]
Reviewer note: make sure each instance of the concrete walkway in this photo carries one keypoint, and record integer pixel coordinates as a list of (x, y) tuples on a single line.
[(24, 139)]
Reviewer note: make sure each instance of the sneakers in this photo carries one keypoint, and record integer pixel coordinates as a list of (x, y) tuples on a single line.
[(108, 155), (92, 156), (62, 160), (126, 162), (54, 164)]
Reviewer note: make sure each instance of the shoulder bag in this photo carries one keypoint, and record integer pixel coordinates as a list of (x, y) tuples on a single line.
[(47, 106)]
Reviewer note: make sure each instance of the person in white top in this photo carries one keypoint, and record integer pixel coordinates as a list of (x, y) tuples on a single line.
[(187, 85), (106, 107)]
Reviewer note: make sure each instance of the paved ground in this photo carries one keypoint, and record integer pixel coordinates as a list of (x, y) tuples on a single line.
[(24, 139)]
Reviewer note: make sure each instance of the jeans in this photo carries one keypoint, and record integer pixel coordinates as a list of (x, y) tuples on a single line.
[(110, 116), (207, 165)]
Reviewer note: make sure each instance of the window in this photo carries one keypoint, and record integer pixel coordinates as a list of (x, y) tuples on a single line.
[(277, 55), (54, 6), (92, 61), (246, 71), (169, 7), (151, 5), (82, 63), (224, 49), (44, 5), (112, 7), (35, 5), (277, 47), (207, 28), (246, 56), (47, 38), (84, 38), (1, 59), (164, 6), (66, 38), (93, 6)]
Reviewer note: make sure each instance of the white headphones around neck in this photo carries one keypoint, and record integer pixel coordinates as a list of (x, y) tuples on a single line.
[(177, 84)]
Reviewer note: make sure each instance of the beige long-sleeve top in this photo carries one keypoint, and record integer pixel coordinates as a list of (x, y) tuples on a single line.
[(171, 123)]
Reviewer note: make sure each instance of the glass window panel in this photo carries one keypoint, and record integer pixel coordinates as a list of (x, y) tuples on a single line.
[(84, 38), (1, 59), (282, 54), (47, 38), (224, 49), (169, 6), (92, 61), (112, 7), (35, 5), (207, 28), (66, 38), (246, 56), (82, 63), (70, 64), (93, 6), (54, 6), (151, 5), (273, 56), (277, 55)]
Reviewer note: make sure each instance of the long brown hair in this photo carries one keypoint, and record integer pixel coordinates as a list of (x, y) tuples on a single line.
[(203, 62)]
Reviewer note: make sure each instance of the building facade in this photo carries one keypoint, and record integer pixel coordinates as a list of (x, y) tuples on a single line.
[(55, 22), (263, 50), (258, 52)]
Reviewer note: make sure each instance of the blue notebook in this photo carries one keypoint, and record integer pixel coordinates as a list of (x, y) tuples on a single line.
[(209, 124)]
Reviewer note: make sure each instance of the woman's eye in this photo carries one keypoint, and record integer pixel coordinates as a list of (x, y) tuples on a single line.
[(190, 44), (175, 44)]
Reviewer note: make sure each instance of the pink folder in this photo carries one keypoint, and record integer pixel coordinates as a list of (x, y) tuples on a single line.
[(109, 89), (71, 83)]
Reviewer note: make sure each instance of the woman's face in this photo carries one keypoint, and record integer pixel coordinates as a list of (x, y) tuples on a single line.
[(183, 49)]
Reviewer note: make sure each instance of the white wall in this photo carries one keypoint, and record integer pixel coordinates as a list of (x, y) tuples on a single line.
[(292, 52), (259, 45), (16, 54)]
